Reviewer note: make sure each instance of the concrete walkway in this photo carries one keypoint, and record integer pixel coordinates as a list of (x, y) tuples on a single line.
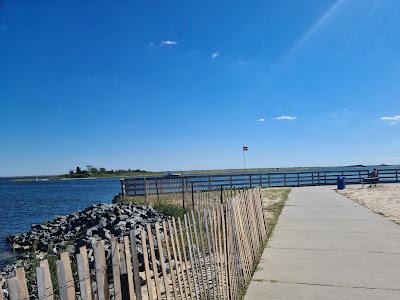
[(326, 246)]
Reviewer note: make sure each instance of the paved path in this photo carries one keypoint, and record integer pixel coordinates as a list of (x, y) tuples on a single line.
[(326, 246)]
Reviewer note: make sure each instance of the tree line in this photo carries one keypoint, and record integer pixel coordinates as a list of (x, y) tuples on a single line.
[(92, 171)]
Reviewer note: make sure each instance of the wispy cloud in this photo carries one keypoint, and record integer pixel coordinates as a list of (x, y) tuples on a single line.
[(393, 120), (168, 43), (286, 118), (215, 55), (261, 120)]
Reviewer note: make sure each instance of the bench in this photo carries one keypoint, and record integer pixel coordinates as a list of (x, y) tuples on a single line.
[(370, 180)]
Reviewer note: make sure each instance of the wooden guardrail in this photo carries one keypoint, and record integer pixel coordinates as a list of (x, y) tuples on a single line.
[(139, 186), (209, 254)]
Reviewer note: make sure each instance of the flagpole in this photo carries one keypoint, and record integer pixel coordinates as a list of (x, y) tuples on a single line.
[(244, 149), (244, 160)]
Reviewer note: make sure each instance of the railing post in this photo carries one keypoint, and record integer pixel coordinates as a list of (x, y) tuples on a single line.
[(250, 181), (192, 196), (183, 193), (284, 179), (222, 195), (230, 178), (298, 179), (123, 187), (158, 194), (312, 178), (269, 180), (261, 181), (145, 191)]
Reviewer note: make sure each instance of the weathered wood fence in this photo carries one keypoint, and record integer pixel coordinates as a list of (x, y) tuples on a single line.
[(211, 253), (188, 184)]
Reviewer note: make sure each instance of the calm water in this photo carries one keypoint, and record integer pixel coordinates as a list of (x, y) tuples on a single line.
[(23, 203)]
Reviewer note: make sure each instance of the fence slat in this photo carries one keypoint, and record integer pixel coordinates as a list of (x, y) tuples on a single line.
[(13, 289), (210, 255), (194, 270), (85, 281), (201, 267), (64, 256), (23, 288), (203, 252), (41, 284), (176, 265), (188, 270), (81, 275), (162, 261), (103, 292), (129, 271), (171, 268), (182, 262), (153, 261), (62, 280), (135, 265), (146, 265), (115, 260)]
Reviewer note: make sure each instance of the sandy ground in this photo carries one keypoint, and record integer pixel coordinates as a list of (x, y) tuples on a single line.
[(383, 199)]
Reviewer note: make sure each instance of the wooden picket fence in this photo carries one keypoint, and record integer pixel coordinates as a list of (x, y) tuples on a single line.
[(209, 254)]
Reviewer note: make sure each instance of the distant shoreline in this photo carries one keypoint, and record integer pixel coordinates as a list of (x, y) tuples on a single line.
[(188, 172)]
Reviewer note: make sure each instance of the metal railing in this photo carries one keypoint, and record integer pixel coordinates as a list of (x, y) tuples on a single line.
[(139, 186)]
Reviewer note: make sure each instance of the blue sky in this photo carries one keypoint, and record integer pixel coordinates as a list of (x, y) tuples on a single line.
[(170, 85)]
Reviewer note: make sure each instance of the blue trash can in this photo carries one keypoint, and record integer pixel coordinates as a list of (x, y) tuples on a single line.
[(341, 183)]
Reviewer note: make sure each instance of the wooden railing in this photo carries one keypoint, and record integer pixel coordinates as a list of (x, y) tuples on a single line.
[(139, 186), (209, 254)]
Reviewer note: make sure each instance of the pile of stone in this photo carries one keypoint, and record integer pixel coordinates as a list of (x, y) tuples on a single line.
[(85, 227)]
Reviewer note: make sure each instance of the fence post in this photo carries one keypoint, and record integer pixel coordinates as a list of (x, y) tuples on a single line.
[(298, 179), (192, 196), (183, 193), (222, 196), (145, 191), (397, 177), (158, 195)]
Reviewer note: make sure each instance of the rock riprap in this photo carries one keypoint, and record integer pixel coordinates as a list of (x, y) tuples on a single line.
[(84, 228)]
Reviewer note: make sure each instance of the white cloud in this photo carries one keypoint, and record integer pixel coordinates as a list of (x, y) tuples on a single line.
[(261, 120), (168, 43), (286, 118), (393, 120), (215, 54)]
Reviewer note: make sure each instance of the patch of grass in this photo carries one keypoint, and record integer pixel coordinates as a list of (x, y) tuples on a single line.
[(171, 210), (274, 201), (165, 204)]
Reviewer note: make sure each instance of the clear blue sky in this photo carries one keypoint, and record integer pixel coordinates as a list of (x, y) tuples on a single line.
[(169, 85)]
